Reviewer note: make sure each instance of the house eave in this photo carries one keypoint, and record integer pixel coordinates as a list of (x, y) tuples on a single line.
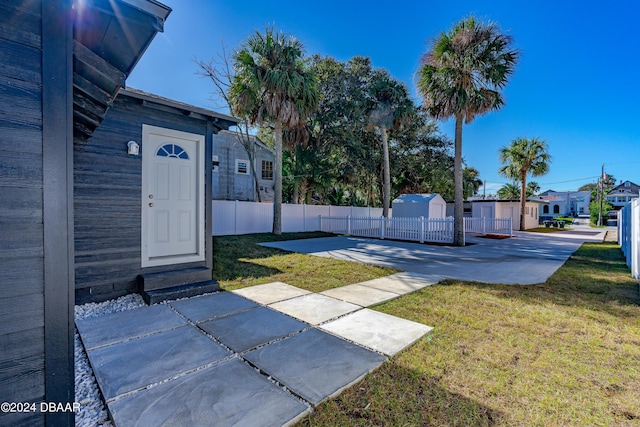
[(220, 121), (109, 38)]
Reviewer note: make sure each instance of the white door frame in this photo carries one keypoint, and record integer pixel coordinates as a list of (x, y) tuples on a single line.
[(148, 153)]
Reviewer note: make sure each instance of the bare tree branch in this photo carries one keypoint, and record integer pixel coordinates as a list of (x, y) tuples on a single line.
[(220, 72)]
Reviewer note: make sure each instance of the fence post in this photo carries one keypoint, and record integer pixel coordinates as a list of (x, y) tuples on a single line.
[(510, 227), (421, 229), (304, 217), (320, 222), (235, 218), (349, 224), (382, 225)]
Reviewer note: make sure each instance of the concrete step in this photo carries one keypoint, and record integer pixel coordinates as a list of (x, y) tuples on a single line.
[(173, 278), (181, 291)]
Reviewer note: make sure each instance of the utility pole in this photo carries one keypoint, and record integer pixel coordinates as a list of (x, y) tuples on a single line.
[(601, 195)]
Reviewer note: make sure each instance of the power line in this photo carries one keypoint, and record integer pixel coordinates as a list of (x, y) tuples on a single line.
[(571, 180)]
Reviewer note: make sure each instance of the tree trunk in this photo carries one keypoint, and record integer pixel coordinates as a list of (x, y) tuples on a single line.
[(458, 210), (244, 139), (277, 184), (386, 196), (256, 184), (523, 199)]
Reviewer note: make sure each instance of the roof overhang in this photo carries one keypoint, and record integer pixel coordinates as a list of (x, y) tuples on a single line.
[(109, 38), (220, 121)]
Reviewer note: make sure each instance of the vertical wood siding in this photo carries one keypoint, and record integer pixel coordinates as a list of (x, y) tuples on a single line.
[(108, 186)]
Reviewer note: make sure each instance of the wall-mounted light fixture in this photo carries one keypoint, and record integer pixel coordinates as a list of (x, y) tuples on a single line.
[(133, 148)]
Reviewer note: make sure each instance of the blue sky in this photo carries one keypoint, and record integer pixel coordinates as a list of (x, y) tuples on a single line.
[(577, 84)]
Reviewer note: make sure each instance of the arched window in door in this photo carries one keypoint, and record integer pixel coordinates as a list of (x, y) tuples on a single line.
[(556, 209), (545, 209)]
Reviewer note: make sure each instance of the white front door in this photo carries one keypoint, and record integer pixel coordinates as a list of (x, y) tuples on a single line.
[(172, 196)]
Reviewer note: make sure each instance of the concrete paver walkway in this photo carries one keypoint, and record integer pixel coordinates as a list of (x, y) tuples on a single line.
[(236, 358)]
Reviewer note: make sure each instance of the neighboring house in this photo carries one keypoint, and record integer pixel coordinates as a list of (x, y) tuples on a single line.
[(74, 202), (509, 209), (232, 175), (566, 203), (430, 206), (622, 194)]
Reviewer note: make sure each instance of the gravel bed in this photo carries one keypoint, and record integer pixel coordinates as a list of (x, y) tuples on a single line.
[(93, 411)]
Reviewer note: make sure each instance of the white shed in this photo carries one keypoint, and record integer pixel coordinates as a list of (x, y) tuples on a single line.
[(509, 209), (417, 205)]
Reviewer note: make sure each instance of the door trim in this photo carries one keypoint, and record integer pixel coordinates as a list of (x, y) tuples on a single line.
[(147, 261)]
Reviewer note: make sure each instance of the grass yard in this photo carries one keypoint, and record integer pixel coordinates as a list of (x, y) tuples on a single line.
[(239, 262), (547, 229), (562, 353)]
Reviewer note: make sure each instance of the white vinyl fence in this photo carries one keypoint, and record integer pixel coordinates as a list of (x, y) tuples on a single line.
[(415, 229), (488, 225), (235, 217), (232, 217), (629, 235)]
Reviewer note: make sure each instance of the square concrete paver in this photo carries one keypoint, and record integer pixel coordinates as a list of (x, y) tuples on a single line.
[(227, 394), (129, 365), (361, 295), (314, 308), (209, 306), (315, 365), (379, 331), (270, 292), (245, 330), (401, 283), (124, 325)]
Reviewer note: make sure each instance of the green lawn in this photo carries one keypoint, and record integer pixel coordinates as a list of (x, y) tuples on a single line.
[(566, 352), (547, 229), (239, 262)]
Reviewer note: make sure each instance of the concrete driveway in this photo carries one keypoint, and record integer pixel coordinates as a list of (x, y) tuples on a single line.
[(525, 259)]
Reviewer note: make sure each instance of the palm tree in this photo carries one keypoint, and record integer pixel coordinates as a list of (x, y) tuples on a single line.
[(522, 157), (533, 188), (272, 85), (392, 108), (461, 77), (509, 191), (471, 181)]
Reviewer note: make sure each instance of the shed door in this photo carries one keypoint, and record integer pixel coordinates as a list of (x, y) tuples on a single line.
[(172, 196), (486, 212)]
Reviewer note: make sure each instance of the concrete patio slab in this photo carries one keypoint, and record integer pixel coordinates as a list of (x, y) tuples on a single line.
[(378, 331), (362, 295), (527, 258), (152, 358), (245, 330), (314, 308), (228, 394), (270, 292), (198, 309), (318, 365), (401, 283), (115, 327)]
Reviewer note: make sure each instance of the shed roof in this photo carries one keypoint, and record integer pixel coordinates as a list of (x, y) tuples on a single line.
[(540, 201), (416, 198)]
